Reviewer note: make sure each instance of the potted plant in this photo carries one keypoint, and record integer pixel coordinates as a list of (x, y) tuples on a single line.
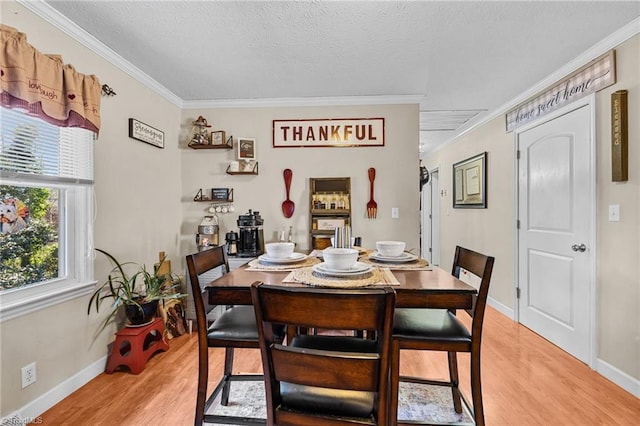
[(135, 288)]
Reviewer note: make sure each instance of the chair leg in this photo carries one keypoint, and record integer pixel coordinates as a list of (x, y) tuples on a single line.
[(203, 377), (228, 370), (453, 376), (394, 382), (476, 389)]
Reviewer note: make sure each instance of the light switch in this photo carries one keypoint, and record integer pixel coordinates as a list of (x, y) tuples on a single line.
[(395, 213), (614, 212)]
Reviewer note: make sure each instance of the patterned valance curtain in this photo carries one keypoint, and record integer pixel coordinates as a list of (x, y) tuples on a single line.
[(45, 86)]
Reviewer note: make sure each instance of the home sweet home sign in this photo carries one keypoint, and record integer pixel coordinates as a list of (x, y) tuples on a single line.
[(596, 75), (329, 132)]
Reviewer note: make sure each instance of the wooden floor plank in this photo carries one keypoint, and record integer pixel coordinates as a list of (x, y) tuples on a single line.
[(526, 381)]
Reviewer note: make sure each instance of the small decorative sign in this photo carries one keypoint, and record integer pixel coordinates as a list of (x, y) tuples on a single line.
[(330, 132), (619, 137), (596, 75), (145, 133)]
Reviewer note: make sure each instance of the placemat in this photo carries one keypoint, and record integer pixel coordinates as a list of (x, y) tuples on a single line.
[(416, 265), (255, 265), (379, 276)]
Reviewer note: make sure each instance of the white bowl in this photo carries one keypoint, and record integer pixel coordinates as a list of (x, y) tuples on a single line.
[(390, 248), (279, 250), (340, 258)]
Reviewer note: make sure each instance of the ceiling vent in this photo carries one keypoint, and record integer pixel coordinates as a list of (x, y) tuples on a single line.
[(445, 120)]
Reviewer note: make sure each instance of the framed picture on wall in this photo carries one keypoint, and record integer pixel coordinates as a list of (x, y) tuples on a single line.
[(218, 137), (246, 149), (470, 182)]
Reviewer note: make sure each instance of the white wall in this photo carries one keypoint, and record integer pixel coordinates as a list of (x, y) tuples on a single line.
[(138, 214), (396, 164), (618, 250)]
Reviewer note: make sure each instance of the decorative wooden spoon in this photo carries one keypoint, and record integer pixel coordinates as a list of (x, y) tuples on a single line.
[(288, 206)]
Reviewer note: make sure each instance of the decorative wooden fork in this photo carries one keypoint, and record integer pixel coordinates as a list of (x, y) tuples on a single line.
[(372, 206)]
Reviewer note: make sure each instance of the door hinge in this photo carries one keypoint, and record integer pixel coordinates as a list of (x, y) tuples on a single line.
[(517, 154), (518, 224), (429, 249), (517, 292)]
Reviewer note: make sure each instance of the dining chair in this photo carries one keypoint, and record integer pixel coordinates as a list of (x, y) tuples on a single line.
[(234, 328), (325, 379), (442, 330)]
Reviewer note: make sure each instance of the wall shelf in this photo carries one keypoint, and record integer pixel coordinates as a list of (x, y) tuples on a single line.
[(214, 195), (253, 171), (227, 145)]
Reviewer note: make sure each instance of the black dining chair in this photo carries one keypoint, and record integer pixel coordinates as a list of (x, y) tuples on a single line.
[(325, 379), (442, 330), (235, 328)]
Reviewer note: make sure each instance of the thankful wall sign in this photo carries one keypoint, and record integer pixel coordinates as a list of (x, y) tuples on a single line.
[(328, 132)]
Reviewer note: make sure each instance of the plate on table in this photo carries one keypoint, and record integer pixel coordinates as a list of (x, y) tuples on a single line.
[(358, 269), (403, 258), (295, 257)]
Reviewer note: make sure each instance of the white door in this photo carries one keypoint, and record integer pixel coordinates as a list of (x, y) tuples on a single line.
[(430, 222), (555, 239)]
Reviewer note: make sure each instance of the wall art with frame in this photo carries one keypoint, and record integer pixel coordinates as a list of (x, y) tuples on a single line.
[(246, 149), (470, 182)]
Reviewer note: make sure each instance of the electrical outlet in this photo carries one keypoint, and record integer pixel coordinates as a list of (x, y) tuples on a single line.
[(28, 374)]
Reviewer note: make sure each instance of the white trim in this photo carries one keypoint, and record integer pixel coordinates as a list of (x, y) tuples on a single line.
[(292, 102), (73, 30), (606, 44), (501, 307), (40, 297), (620, 378), (50, 398), (590, 102)]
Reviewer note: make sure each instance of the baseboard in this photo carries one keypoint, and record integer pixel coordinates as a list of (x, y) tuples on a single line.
[(32, 411), (502, 308), (620, 378)]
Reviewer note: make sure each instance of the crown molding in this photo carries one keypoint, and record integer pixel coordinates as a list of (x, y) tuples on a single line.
[(618, 37), (303, 101), (55, 18)]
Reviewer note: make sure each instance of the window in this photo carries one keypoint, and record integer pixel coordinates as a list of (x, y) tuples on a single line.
[(46, 206)]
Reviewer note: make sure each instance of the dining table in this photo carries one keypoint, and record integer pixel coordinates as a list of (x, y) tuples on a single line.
[(431, 287)]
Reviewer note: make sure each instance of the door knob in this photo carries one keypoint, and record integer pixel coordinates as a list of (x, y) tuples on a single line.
[(581, 248)]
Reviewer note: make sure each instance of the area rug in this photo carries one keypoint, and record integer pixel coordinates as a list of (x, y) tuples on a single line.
[(416, 402)]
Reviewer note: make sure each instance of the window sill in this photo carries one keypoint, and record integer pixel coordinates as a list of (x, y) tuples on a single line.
[(21, 302)]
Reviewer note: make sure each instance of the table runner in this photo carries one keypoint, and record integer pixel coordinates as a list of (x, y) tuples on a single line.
[(379, 277)]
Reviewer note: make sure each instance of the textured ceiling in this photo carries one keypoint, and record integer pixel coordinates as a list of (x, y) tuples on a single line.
[(459, 55)]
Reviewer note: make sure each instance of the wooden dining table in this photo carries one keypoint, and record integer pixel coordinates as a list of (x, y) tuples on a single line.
[(434, 288)]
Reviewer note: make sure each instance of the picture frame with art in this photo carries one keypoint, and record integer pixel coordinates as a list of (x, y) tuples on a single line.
[(470, 182), (246, 149), (218, 137)]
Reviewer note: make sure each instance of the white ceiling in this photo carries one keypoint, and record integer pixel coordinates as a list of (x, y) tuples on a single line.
[(460, 59)]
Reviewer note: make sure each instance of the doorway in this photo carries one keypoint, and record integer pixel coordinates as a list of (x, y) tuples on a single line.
[(430, 219), (556, 233)]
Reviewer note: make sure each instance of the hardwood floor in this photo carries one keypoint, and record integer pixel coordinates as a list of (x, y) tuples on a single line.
[(526, 381)]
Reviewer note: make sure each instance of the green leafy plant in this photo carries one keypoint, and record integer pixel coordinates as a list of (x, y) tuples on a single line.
[(129, 283)]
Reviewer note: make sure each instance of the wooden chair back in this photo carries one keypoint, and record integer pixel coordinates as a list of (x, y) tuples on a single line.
[(335, 368), (481, 266)]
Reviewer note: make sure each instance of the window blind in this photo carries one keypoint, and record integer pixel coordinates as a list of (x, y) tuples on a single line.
[(31, 146)]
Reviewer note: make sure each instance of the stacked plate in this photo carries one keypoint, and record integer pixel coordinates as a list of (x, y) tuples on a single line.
[(358, 270), (403, 258), (293, 258)]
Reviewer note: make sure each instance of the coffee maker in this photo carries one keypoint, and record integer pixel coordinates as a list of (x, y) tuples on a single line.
[(251, 238)]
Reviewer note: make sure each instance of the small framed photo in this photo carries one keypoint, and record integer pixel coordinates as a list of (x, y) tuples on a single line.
[(246, 149), (218, 137)]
